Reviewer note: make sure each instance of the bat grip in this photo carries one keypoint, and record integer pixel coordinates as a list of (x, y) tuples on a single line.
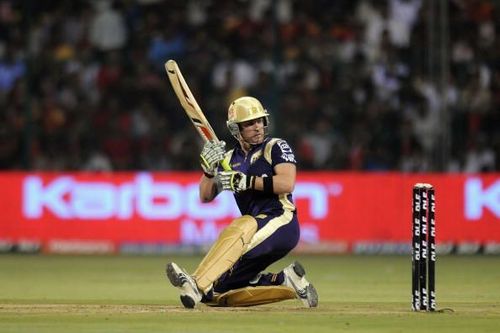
[(225, 165)]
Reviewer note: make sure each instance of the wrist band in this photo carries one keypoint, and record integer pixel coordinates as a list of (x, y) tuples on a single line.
[(208, 175), (268, 184), (250, 182)]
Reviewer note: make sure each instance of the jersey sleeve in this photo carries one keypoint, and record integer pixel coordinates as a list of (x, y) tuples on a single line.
[(282, 153)]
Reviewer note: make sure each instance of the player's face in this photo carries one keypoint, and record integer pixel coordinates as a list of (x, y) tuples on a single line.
[(252, 131)]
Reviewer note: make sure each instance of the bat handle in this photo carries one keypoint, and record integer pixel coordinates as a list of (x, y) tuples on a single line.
[(225, 165)]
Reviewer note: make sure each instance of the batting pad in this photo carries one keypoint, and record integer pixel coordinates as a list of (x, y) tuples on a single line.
[(251, 296), (226, 250)]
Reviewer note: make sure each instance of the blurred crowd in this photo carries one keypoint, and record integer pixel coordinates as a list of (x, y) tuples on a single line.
[(349, 83)]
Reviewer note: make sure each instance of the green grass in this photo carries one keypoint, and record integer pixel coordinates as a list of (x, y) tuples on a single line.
[(130, 294)]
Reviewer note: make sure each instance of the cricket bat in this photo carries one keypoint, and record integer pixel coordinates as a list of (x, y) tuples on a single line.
[(190, 105)]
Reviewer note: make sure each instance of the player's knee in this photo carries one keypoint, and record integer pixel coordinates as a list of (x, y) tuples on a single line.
[(246, 225)]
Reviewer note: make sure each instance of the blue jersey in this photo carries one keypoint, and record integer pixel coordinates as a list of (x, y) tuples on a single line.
[(260, 161), (278, 230)]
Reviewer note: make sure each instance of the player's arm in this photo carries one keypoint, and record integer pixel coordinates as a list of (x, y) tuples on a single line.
[(208, 189), (282, 182), (285, 170)]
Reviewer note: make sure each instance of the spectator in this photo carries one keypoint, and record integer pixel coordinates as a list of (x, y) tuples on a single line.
[(107, 29), (12, 67), (350, 81)]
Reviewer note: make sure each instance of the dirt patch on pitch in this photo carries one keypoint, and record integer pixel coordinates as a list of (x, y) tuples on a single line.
[(126, 309), (84, 308)]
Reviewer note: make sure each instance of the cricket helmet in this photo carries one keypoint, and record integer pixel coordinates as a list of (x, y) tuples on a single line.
[(243, 109)]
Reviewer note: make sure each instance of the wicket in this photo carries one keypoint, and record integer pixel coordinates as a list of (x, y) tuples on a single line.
[(423, 248)]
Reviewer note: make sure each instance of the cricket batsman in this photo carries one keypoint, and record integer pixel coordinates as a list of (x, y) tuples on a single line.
[(262, 178)]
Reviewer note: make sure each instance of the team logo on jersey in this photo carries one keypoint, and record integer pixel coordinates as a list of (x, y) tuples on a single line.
[(255, 156), (286, 152)]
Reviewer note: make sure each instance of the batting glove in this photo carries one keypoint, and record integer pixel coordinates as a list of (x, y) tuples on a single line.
[(234, 181), (211, 155)]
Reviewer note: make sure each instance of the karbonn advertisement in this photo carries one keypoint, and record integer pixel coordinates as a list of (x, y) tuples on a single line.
[(116, 212)]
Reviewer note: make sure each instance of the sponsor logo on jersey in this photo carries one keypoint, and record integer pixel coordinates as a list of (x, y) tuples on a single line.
[(286, 152)]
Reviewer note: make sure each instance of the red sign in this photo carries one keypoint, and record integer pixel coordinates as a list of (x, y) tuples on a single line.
[(124, 208)]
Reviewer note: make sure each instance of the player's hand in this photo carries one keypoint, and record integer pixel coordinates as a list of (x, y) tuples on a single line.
[(211, 155), (234, 181)]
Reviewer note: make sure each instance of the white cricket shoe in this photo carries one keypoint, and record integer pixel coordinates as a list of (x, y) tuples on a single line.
[(295, 278), (190, 295)]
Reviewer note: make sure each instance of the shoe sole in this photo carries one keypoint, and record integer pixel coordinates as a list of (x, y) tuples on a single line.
[(187, 301), (312, 296), (298, 269), (176, 281), (173, 276)]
